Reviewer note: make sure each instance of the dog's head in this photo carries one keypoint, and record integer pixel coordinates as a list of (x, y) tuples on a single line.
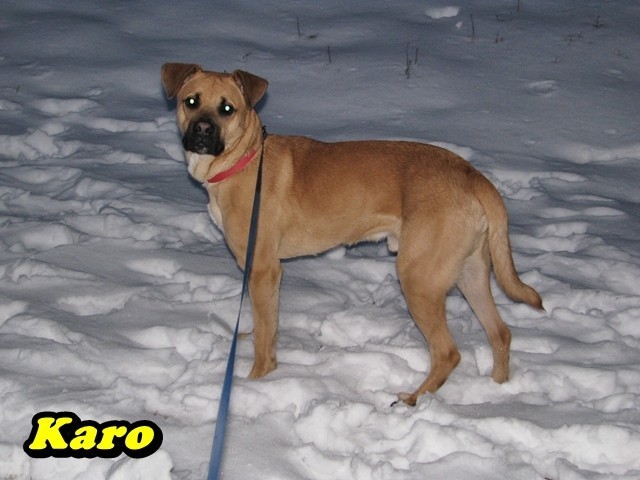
[(212, 108)]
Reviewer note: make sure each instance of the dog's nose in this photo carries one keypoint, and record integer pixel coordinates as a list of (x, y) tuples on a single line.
[(203, 137), (203, 128)]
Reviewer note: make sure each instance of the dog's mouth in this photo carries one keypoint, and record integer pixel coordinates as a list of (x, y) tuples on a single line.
[(203, 137)]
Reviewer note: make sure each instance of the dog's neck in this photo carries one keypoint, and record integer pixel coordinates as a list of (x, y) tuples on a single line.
[(239, 165), (248, 146)]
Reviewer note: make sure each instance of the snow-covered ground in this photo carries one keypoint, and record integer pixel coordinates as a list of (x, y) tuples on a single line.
[(117, 294)]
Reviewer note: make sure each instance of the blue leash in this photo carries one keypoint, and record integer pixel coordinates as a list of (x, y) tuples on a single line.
[(223, 408)]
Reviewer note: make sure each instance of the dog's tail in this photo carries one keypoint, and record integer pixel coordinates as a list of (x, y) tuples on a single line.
[(499, 245)]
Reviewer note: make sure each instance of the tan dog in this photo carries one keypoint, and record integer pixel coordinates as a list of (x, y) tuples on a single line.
[(444, 219)]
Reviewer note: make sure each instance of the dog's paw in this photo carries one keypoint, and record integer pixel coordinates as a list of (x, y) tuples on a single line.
[(408, 398), (260, 370), (500, 376)]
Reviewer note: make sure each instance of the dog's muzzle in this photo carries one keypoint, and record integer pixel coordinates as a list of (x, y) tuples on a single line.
[(203, 137)]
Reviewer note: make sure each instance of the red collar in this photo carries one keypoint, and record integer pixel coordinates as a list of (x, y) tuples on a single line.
[(244, 160)]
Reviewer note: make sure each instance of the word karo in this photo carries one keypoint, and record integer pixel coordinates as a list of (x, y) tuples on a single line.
[(63, 434)]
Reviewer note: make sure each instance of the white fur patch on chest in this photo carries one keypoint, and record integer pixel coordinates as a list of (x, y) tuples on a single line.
[(198, 165), (192, 162), (216, 214)]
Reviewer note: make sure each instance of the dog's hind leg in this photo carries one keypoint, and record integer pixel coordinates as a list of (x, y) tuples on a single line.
[(428, 268), (475, 286)]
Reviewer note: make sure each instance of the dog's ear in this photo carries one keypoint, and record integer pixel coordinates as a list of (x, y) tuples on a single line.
[(251, 86), (175, 74)]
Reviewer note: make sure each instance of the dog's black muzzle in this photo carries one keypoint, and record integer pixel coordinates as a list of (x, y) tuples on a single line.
[(203, 137)]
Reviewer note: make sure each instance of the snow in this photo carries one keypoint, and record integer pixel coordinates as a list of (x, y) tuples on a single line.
[(118, 295)]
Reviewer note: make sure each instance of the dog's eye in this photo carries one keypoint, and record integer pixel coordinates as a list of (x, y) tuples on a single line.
[(192, 102), (226, 109)]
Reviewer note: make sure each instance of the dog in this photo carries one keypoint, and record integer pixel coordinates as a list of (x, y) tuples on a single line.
[(444, 219)]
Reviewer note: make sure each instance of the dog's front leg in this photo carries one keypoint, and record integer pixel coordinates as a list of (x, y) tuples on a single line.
[(264, 288)]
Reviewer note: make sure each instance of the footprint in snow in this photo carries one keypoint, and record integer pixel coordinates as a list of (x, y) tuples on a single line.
[(95, 301), (543, 87)]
